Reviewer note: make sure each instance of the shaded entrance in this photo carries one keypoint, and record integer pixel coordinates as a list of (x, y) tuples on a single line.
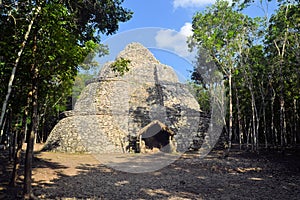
[(156, 135)]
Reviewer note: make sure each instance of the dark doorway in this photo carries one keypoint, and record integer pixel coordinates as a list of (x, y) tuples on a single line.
[(156, 135)]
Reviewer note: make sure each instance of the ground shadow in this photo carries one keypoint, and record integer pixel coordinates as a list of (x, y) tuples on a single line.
[(240, 176), (237, 177)]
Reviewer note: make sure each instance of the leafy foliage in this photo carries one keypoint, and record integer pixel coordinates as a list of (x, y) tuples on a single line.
[(62, 37), (120, 66), (264, 72)]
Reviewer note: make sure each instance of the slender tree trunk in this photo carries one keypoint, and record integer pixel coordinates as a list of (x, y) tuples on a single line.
[(13, 73), (281, 54), (30, 141), (14, 142), (257, 124), (43, 121), (2, 138), (13, 145), (243, 125), (239, 119), (273, 129), (29, 151), (253, 123), (11, 135), (20, 138), (230, 115), (34, 126), (282, 125), (296, 119), (247, 133), (265, 124)]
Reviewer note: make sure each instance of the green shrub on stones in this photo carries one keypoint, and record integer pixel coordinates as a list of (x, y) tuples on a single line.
[(120, 66)]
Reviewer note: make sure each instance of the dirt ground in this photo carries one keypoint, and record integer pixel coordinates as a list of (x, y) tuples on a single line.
[(242, 175)]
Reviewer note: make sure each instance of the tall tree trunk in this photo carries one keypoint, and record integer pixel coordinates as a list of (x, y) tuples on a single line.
[(273, 129), (281, 54), (265, 124), (252, 135), (34, 126), (254, 125), (296, 119), (30, 146), (282, 125), (239, 119), (30, 140), (13, 72), (20, 139), (43, 120), (230, 115), (255, 118), (3, 139), (248, 129), (11, 136)]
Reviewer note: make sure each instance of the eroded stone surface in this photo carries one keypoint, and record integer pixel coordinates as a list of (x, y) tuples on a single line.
[(112, 107)]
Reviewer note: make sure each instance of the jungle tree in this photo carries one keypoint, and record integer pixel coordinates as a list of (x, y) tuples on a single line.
[(224, 33), (59, 36)]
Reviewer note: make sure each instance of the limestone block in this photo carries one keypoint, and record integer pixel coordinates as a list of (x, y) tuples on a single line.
[(112, 108)]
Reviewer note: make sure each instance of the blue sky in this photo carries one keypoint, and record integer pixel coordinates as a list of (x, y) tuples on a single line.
[(162, 26)]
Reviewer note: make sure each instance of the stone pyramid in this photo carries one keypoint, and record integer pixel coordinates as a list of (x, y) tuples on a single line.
[(112, 108)]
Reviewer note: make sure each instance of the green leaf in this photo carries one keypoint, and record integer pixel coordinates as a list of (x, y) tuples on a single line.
[(120, 66)]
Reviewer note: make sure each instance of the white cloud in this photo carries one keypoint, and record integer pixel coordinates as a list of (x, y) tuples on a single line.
[(186, 29), (175, 41), (191, 3)]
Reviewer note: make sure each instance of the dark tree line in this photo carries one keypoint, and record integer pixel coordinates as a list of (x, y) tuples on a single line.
[(42, 46), (260, 62)]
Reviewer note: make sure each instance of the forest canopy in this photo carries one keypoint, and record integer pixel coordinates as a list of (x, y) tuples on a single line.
[(259, 59), (43, 45)]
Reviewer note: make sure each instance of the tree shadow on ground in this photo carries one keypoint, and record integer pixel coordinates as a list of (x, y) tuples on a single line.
[(237, 177), (6, 167)]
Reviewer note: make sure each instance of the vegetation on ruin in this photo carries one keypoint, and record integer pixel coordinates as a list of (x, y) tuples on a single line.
[(44, 44), (120, 66)]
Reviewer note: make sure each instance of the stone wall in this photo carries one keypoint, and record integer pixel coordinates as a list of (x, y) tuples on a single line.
[(111, 108)]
